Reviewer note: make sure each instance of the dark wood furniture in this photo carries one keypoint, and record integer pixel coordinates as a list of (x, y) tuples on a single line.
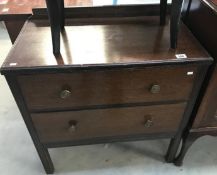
[(204, 117), (57, 20), (109, 86), (15, 13)]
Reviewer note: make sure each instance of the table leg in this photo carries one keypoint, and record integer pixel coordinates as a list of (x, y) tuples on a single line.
[(163, 11), (172, 150), (62, 13), (14, 28), (55, 22), (186, 144), (174, 22)]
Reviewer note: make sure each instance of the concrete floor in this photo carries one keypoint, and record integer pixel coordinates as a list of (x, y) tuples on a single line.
[(18, 155)]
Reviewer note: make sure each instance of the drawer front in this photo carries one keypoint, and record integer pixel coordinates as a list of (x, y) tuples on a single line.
[(89, 88), (87, 124)]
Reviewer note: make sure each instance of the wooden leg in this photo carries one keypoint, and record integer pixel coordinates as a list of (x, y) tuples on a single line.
[(55, 18), (189, 111), (45, 159), (172, 150), (62, 13), (163, 11), (187, 142), (14, 28), (42, 151), (174, 22)]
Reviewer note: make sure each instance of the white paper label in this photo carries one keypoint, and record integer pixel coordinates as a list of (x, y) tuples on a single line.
[(190, 73), (181, 56), (13, 64)]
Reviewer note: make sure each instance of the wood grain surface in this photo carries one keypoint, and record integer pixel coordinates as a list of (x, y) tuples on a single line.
[(56, 127), (88, 88), (114, 44)]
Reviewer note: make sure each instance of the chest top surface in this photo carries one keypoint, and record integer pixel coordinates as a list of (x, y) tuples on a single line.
[(101, 45)]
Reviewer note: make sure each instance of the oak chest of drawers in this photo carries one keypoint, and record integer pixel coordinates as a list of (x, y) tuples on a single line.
[(111, 83)]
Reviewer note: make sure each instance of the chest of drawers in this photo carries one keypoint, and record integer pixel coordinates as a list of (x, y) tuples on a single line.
[(111, 83)]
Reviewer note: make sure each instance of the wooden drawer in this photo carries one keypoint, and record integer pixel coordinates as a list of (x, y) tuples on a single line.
[(87, 124), (89, 88)]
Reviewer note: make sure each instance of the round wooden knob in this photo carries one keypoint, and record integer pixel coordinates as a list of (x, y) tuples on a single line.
[(72, 125), (65, 94), (148, 123), (155, 89)]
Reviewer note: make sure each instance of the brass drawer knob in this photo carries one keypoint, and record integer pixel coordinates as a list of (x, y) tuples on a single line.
[(65, 94), (72, 125), (148, 123), (155, 89)]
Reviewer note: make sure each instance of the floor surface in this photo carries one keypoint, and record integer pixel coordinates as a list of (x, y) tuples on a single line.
[(18, 155)]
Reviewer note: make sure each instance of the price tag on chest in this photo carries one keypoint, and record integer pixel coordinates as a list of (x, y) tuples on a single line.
[(181, 56)]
